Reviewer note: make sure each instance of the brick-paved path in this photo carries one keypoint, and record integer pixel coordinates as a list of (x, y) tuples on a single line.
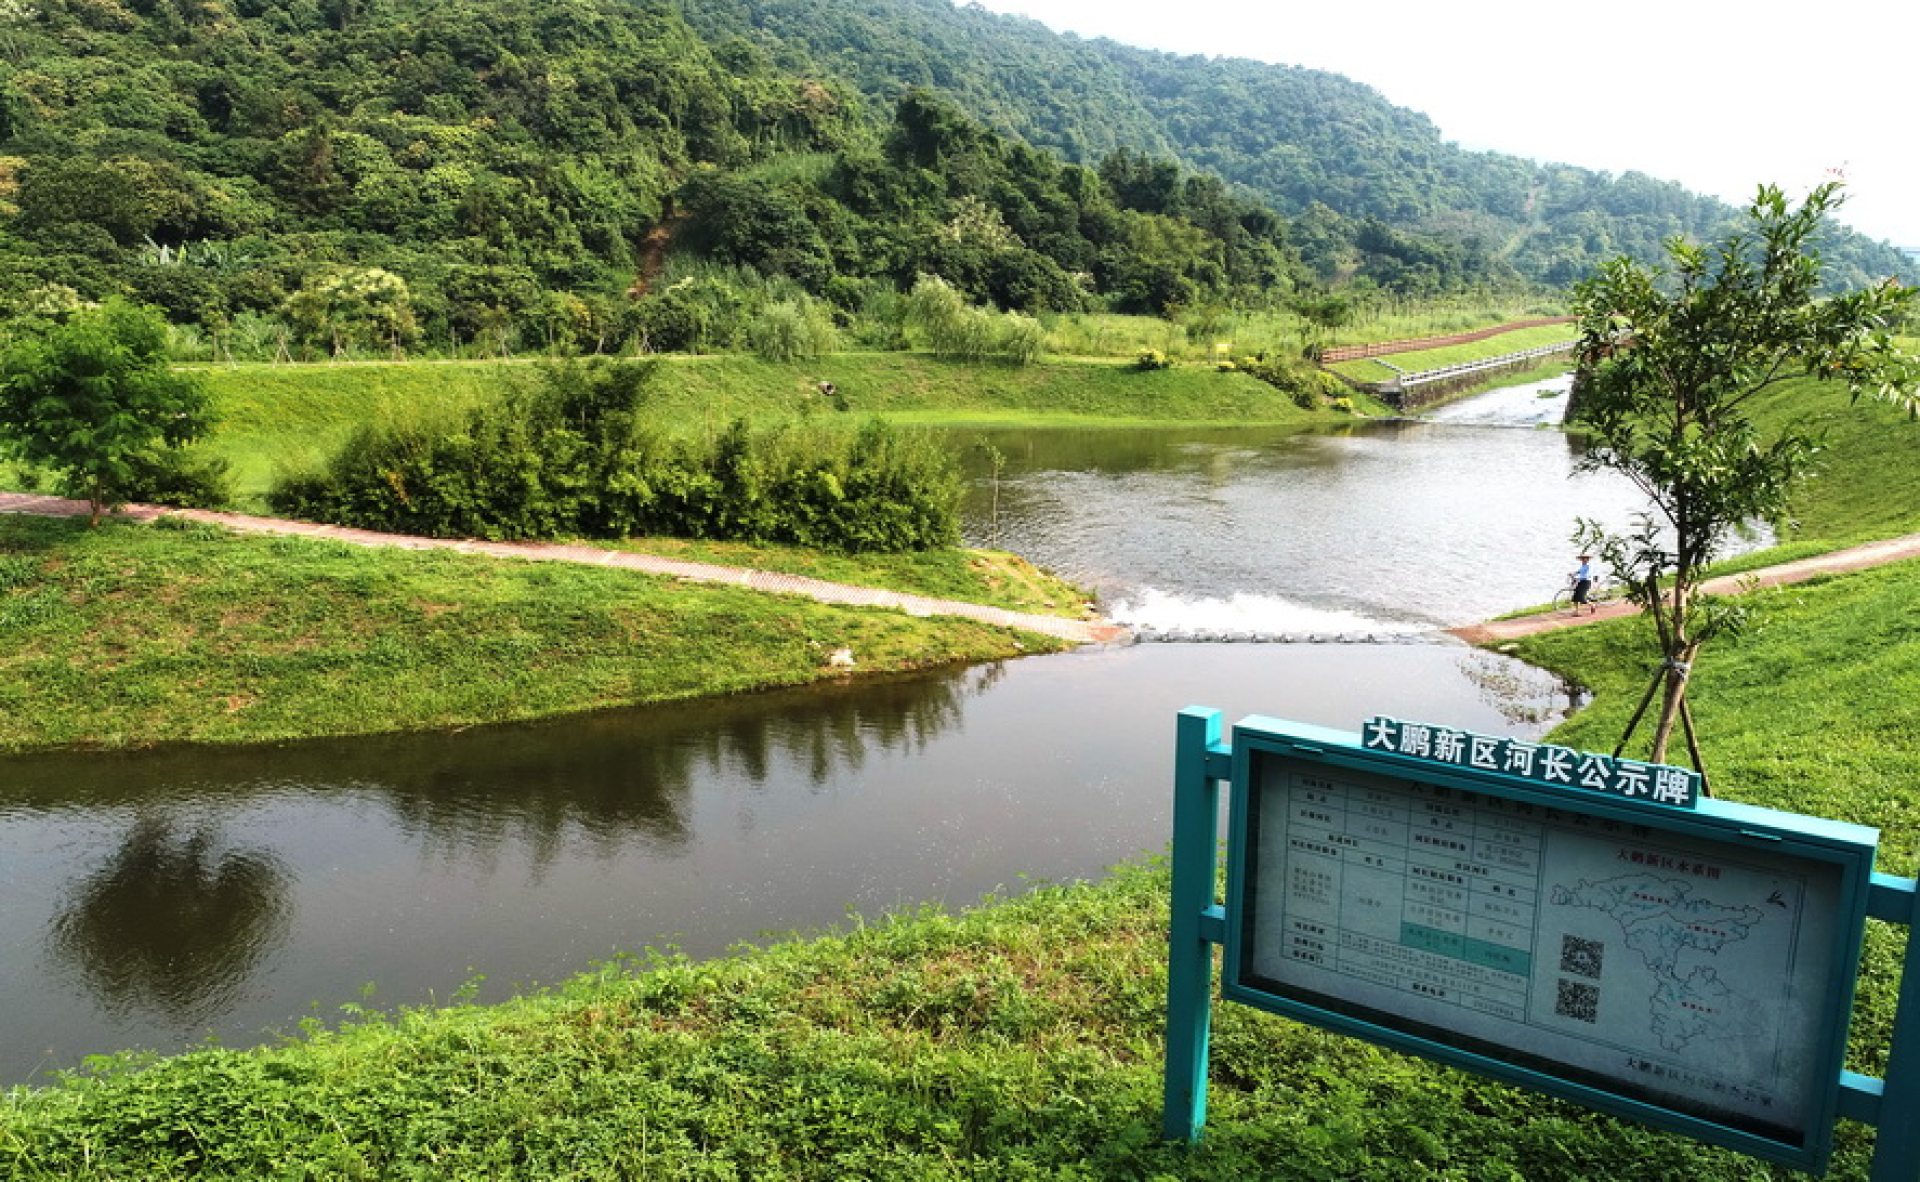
[(1839, 561), (1079, 631)]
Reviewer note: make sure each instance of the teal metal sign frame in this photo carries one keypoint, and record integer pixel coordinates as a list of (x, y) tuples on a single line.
[(1267, 766)]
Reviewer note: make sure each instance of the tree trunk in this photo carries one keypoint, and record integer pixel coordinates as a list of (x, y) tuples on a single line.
[(1678, 667)]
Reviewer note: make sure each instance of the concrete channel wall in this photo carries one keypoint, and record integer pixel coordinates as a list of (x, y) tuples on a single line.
[(1410, 391)]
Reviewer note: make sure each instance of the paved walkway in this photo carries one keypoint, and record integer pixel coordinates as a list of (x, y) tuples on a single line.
[(1837, 562), (1079, 631)]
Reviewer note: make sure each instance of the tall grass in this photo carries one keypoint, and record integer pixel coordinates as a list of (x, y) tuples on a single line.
[(1195, 335)]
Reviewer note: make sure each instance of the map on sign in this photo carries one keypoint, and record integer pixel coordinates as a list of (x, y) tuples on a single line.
[(1682, 971), (1663, 921)]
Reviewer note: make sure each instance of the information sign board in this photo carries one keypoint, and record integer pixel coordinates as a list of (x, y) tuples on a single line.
[(1690, 967)]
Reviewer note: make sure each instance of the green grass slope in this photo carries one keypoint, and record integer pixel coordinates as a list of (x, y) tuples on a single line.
[(129, 636), (274, 418)]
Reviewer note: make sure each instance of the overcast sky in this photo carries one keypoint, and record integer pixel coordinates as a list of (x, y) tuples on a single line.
[(1718, 96)]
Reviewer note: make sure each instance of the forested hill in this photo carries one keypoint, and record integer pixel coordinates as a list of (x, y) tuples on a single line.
[(325, 174), (1295, 137)]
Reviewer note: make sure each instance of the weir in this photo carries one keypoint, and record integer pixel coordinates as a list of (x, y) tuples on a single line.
[(1411, 391)]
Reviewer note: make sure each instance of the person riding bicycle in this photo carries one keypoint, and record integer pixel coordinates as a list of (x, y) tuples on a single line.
[(1583, 585)]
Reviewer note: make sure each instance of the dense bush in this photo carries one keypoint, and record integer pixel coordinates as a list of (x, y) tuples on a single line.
[(790, 330), (1303, 383), (570, 455), (953, 328)]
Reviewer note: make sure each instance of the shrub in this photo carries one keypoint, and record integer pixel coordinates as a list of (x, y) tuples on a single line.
[(790, 330), (1305, 385), (570, 457), (1022, 339), (693, 315), (174, 477), (1152, 359)]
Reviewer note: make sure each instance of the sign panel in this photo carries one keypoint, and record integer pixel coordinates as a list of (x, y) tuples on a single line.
[(1682, 967), (1546, 763)]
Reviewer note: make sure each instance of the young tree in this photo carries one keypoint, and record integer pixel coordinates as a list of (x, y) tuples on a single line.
[(93, 398), (1668, 365)]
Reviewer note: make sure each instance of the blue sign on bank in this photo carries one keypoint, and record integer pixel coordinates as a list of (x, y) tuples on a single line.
[(1585, 926)]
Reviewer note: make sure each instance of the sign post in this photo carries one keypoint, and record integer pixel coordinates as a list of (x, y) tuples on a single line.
[(1580, 925)]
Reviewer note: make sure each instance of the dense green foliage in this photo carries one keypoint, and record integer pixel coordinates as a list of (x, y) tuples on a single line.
[(1666, 373), (1367, 185), (327, 179), (130, 636), (574, 455), (93, 399), (313, 180)]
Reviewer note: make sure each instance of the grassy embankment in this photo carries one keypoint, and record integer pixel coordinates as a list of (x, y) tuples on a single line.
[(276, 417), (131, 636), (135, 637), (1021, 1040), (1864, 483)]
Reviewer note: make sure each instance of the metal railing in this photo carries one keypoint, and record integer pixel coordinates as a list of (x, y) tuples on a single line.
[(1383, 348)]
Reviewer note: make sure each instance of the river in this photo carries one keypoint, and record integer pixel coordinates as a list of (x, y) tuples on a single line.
[(159, 899)]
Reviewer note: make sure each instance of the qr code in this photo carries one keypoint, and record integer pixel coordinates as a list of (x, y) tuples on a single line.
[(1578, 1001), (1581, 957)]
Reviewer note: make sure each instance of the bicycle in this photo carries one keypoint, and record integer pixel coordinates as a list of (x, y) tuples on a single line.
[(1601, 592)]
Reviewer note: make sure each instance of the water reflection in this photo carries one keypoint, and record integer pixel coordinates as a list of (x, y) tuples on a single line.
[(173, 923), (617, 776), (154, 899)]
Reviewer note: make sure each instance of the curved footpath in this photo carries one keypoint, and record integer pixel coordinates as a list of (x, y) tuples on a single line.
[(1079, 631), (1835, 562)]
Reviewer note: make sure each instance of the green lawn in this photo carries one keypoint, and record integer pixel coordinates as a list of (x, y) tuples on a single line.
[(273, 418), (130, 635)]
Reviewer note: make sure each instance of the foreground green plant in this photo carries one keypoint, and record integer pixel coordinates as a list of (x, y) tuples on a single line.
[(1667, 367), (92, 399)]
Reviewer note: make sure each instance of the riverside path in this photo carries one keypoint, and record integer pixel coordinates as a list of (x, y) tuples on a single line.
[(1078, 631), (1836, 562)]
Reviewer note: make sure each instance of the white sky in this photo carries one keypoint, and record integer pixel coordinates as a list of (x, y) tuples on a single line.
[(1718, 96)]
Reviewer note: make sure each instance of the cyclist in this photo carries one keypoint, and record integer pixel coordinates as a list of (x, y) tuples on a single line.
[(1583, 585)]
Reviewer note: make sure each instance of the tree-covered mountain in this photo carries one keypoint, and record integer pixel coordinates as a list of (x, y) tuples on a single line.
[(336, 173), (384, 169), (1295, 137)]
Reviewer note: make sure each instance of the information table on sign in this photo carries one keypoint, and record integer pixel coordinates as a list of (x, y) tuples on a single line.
[(1654, 965)]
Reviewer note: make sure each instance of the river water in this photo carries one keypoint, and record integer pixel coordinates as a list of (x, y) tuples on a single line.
[(158, 899)]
